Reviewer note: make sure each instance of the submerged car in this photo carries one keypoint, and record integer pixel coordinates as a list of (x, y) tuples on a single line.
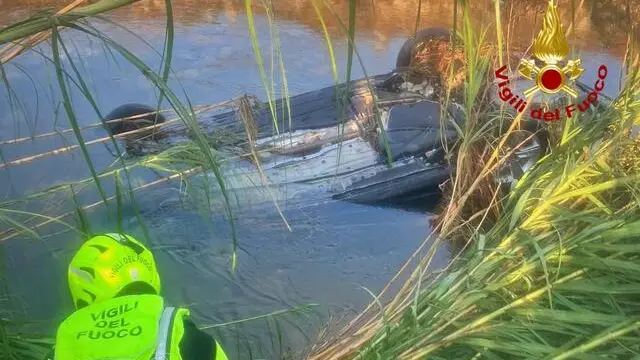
[(375, 140), (388, 148)]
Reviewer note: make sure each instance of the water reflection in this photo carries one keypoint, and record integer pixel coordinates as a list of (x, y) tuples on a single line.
[(595, 24)]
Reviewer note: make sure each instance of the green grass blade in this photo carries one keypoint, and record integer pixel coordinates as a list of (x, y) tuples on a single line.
[(44, 22), (188, 118), (71, 114), (260, 62)]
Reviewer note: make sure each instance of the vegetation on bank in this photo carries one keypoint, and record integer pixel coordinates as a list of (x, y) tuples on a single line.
[(555, 277), (548, 270)]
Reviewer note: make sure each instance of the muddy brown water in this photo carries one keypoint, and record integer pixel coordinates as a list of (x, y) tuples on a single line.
[(335, 248)]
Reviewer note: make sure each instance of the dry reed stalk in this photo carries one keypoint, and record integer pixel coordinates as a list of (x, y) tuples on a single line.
[(112, 172), (90, 126), (11, 233), (70, 148), (105, 139), (6, 53), (365, 324), (246, 115)]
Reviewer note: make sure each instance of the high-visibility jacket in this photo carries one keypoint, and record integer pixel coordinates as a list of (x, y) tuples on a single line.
[(134, 327)]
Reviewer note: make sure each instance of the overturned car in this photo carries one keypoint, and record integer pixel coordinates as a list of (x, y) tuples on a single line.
[(374, 140)]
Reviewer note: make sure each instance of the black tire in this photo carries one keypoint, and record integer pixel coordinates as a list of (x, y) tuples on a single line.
[(409, 47), (151, 117)]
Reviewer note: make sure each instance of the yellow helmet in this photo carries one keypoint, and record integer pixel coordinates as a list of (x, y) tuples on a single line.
[(108, 265)]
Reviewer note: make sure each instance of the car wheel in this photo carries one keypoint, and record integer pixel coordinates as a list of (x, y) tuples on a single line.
[(413, 44), (145, 116)]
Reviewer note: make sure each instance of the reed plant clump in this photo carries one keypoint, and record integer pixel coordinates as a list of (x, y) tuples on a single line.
[(548, 271), (555, 278)]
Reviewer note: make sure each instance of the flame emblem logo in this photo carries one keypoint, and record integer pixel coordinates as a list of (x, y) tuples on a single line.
[(551, 48)]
